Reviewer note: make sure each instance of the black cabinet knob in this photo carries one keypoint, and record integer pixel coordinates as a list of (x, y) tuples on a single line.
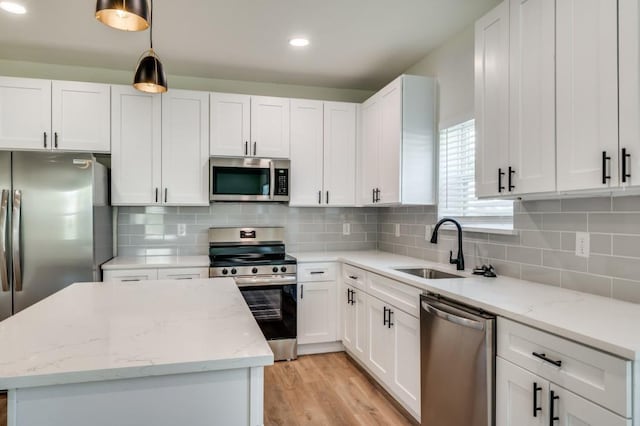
[(275, 269), (254, 270), (224, 271), (234, 271), (283, 269)]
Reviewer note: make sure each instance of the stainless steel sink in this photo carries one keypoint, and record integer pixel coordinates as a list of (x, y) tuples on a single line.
[(427, 273)]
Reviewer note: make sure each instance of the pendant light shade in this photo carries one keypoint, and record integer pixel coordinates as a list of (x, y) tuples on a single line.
[(126, 15), (150, 76)]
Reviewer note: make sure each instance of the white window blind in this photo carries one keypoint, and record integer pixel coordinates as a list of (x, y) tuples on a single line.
[(457, 180)]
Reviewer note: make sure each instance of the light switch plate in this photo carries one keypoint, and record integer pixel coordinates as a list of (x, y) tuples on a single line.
[(182, 229), (346, 229), (582, 244)]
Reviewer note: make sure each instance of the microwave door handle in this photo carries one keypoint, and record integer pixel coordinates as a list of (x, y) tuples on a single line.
[(272, 179)]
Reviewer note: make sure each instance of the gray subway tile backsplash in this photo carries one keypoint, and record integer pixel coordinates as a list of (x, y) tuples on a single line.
[(542, 249)]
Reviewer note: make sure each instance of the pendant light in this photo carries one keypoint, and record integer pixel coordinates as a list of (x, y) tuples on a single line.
[(126, 15), (150, 76)]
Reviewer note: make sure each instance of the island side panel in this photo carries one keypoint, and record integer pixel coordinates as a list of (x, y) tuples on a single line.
[(197, 399)]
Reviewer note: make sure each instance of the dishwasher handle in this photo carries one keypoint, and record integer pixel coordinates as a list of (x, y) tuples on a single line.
[(447, 316)]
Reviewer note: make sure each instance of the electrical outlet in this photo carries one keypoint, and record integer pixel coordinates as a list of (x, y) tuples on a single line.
[(346, 229), (582, 244), (397, 229), (182, 229)]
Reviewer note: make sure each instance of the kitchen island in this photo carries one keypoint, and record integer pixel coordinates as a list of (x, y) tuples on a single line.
[(155, 352)]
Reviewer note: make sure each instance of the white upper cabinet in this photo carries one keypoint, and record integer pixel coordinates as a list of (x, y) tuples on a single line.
[(532, 115), (81, 116), (230, 124), (629, 91), (306, 153), (398, 144), (323, 153), (340, 153), (587, 94), (492, 101), (249, 126), (25, 113), (185, 148), (269, 127), (136, 175)]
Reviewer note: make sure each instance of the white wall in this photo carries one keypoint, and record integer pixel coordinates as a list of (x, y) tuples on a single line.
[(452, 65)]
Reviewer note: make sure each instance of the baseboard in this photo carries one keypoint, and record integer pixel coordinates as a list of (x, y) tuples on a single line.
[(320, 348)]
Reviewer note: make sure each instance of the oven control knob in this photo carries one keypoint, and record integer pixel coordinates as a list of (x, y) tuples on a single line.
[(283, 269), (275, 269), (224, 271), (254, 270), (234, 271)]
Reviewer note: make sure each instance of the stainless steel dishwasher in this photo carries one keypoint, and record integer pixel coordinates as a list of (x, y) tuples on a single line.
[(457, 364)]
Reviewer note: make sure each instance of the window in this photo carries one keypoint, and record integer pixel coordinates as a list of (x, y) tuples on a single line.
[(457, 181)]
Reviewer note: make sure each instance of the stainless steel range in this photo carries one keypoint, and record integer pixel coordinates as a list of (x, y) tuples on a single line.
[(266, 275)]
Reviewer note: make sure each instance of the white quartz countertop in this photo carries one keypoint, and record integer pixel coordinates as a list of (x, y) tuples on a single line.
[(144, 262), (105, 331), (600, 322)]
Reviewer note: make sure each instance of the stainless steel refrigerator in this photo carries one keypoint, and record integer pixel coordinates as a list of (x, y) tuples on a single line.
[(55, 225)]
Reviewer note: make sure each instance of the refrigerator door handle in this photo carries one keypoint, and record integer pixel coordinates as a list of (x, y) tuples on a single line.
[(4, 271), (17, 253)]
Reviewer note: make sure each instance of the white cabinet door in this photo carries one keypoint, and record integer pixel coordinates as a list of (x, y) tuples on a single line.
[(389, 160), (406, 346), (306, 153), (361, 334), (532, 148), (270, 127), (136, 148), (515, 396), (182, 273), (574, 410), (629, 89), (185, 148), (230, 124), (81, 116), (25, 113), (133, 275), (586, 93), (380, 354), (317, 312), (492, 100), (339, 153), (369, 146)]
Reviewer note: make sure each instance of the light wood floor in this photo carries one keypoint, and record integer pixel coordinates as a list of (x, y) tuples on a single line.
[(327, 389)]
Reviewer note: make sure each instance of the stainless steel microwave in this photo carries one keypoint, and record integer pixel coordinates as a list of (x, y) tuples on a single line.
[(249, 179)]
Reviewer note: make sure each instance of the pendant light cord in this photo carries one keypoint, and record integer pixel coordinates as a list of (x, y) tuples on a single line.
[(151, 27)]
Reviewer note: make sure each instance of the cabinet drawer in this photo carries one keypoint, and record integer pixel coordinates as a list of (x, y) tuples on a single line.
[(182, 273), (130, 275), (308, 272), (402, 296), (595, 375), (354, 277)]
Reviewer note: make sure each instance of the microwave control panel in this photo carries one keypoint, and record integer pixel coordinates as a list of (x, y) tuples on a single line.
[(282, 182)]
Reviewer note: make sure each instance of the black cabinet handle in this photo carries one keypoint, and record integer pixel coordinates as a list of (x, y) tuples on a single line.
[(384, 316), (552, 417), (156, 195), (373, 195), (353, 299), (353, 277), (166, 194), (45, 139), (511, 173), (327, 200), (605, 176), (55, 139), (316, 272), (544, 358), (389, 323), (301, 291), (255, 149), (500, 174), (536, 388), (625, 156), (246, 147), (319, 197), (377, 195)]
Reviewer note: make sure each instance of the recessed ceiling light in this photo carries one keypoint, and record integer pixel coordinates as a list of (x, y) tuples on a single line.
[(12, 7), (299, 42)]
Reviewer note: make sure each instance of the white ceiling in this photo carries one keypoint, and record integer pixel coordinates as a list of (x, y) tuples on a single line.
[(358, 44)]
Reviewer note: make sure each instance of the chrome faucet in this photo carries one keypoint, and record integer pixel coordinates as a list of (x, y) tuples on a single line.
[(459, 260)]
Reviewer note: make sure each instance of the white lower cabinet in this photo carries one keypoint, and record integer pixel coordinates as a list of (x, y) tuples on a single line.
[(317, 312), (133, 275), (406, 358), (354, 317), (525, 399), (380, 354)]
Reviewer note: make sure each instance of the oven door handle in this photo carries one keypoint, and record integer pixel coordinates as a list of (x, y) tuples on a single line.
[(265, 281), (272, 179)]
